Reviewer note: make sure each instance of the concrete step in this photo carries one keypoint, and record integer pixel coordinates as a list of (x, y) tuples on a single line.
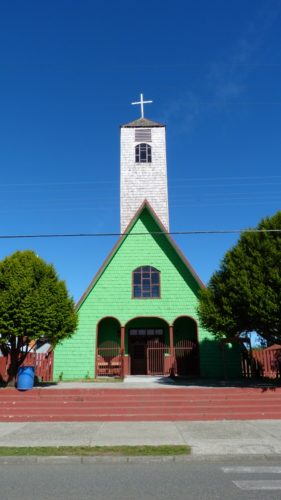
[(139, 404)]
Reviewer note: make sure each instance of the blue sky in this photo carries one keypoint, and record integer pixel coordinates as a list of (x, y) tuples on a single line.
[(69, 71)]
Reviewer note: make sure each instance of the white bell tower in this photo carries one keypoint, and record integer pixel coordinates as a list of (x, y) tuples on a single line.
[(143, 168)]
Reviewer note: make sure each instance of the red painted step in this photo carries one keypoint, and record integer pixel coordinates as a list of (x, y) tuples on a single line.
[(139, 404)]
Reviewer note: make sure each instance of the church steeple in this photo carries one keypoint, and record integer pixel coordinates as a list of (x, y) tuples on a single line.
[(143, 168)]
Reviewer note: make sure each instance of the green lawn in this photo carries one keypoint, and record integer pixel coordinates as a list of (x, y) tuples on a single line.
[(95, 450)]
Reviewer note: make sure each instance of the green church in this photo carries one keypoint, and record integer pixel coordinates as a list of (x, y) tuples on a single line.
[(139, 314)]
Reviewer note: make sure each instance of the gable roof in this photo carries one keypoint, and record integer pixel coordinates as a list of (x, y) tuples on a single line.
[(144, 206)]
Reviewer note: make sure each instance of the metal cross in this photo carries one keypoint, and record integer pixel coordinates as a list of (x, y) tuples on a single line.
[(142, 102)]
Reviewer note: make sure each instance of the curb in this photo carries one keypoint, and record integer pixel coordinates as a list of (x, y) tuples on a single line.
[(64, 460)]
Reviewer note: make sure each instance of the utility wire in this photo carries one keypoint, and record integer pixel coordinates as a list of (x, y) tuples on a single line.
[(116, 182), (154, 233)]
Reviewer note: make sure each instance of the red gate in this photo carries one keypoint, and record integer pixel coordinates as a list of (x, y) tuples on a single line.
[(159, 361), (183, 359)]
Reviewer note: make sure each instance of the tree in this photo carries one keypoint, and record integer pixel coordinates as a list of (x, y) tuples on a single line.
[(244, 295), (34, 306)]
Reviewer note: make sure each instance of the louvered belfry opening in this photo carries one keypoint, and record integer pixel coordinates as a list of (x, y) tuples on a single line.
[(143, 135)]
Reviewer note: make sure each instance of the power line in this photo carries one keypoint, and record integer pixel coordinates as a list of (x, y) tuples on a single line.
[(153, 233), (174, 203), (116, 182)]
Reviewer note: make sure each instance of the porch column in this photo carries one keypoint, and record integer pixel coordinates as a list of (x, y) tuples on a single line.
[(172, 351), (122, 348), (171, 331)]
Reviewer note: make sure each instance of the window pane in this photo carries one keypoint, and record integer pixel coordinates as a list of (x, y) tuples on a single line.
[(155, 278), (146, 282), (159, 331), (137, 278), (143, 153), (155, 291), (137, 291)]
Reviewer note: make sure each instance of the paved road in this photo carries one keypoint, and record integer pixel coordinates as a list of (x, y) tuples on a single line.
[(252, 480)]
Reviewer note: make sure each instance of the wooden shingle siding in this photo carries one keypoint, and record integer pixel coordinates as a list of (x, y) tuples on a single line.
[(111, 296)]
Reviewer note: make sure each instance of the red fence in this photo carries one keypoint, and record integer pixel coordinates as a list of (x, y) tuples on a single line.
[(262, 363), (109, 361), (43, 363), (183, 359), (3, 368), (159, 360)]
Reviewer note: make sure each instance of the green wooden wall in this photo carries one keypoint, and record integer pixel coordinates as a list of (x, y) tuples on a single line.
[(112, 296)]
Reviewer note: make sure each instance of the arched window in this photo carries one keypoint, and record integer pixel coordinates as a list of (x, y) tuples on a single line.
[(146, 283), (143, 153)]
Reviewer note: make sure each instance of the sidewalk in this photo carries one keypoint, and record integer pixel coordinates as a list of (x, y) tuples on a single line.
[(207, 438), (150, 382), (259, 437)]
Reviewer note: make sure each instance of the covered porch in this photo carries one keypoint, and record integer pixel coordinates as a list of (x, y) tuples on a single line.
[(147, 346)]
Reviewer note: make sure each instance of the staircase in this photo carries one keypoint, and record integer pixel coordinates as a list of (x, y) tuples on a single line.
[(160, 404)]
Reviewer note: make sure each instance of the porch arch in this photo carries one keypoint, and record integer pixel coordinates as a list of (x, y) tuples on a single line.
[(186, 346), (108, 330), (108, 347), (146, 336)]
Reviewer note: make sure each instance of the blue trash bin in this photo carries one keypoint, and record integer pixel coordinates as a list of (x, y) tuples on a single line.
[(25, 379)]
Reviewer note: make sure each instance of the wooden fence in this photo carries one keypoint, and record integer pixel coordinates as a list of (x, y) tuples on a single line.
[(110, 361), (159, 360), (262, 363), (181, 360), (43, 363)]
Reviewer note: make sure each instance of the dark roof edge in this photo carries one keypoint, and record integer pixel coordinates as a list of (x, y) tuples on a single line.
[(158, 125), (142, 122)]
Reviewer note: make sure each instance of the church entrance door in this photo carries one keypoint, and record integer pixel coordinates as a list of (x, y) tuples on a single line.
[(139, 342)]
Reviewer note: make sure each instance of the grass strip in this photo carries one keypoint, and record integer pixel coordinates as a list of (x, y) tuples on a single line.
[(133, 451)]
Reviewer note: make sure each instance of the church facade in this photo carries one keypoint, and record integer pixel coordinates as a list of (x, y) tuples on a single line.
[(139, 313)]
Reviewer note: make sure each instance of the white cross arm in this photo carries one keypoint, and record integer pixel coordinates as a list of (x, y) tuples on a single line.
[(142, 102)]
